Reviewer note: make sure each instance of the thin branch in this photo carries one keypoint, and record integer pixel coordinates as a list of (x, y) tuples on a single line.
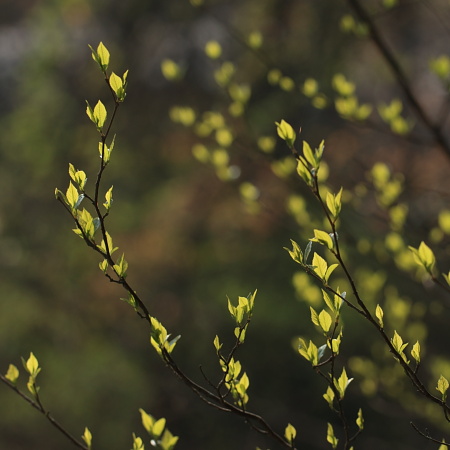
[(399, 75), (427, 436), (38, 406)]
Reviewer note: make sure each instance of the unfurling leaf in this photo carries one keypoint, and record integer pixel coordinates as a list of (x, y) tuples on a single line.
[(360, 420), (325, 321), (286, 132), (101, 56), (329, 396), (116, 84), (442, 387), (138, 444), (290, 432), (323, 238), (424, 256), (32, 365), (342, 383), (108, 199), (87, 437), (309, 352), (379, 314), (12, 374), (121, 267), (415, 352), (331, 438)]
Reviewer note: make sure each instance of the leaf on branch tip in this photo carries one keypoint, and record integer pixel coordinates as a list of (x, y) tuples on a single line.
[(87, 437), (12, 374), (290, 432)]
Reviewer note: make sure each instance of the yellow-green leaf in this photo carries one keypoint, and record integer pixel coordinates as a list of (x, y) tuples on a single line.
[(286, 132), (379, 315), (325, 321), (147, 420), (323, 238), (329, 396), (158, 427), (415, 352), (397, 343), (360, 420), (32, 365), (12, 374), (314, 316), (331, 438), (290, 432), (87, 437), (309, 155), (168, 441), (72, 196), (138, 444), (108, 199), (116, 84), (100, 114), (103, 55), (442, 386), (320, 265)]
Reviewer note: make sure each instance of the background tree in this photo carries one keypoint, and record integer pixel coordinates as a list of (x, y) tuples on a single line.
[(190, 238)]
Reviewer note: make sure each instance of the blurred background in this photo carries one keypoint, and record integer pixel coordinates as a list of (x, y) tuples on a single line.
[(205, 199)]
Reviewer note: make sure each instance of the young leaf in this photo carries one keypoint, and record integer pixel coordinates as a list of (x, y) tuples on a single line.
[(290, 432), (304, 172), (12, 374), (100, 115), (323, 238), (138, 444), (360, 420), (321, 351), (307, 251), (116, 84), (160, 339), (286, 132), (415, 352), (320, 266), (73, 197), (329, 271), (32, 365), (329, 396), (325, 321), (296, 253), (309, 352), (342, 383), (87, 437), (334, 203), (217, 344), (103, 266), (78, 176), (379, 315), (331, 438), (309, 155), (121, 267), (328, 301), (101, 56), (108, 199), (158, 427), (442, 387), (314, 316), (424, 256), (111, 247), (168, 441), (397, 343), (335, 343)]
